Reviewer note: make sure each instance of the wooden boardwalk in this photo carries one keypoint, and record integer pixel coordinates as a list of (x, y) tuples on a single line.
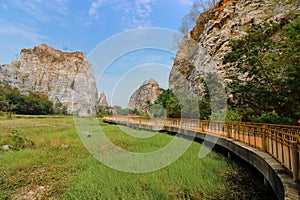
[(280, 141)]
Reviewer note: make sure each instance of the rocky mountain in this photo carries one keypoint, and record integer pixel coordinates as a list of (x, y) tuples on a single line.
[(102, 100), (147, 93), (64, 77), (202, 50)]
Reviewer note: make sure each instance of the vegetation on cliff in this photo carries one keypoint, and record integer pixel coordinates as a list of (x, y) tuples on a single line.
[(269, 58), (254, 47)]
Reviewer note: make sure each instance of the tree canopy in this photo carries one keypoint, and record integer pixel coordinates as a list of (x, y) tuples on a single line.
[(268, 62), (12, 101)]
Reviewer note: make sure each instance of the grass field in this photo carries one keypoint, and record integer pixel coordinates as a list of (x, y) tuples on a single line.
[(50, 162)]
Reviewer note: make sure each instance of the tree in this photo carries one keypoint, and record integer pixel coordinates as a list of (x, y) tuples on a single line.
[(186, 107), (38, 105), (7, 106), (156, 110), (169, 101), (268, 70), (11, 100), (188, 22), (198, 7)]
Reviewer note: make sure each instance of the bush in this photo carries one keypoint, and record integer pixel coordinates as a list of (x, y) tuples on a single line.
[(269, 117), (274, 118), (227, 114), (2, 114), (12, 101), (156, 110), (16, 141)]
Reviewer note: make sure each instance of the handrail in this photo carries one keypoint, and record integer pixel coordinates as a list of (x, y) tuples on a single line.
[(282, 142)]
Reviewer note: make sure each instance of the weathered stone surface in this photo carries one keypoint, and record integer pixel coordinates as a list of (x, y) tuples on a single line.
[(63, 76), (102, 100), (203, 49), (148, 92)]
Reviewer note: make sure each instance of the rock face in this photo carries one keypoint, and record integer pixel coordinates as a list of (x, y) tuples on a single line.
[(147, 92), (203, 49), (64, 77), (102, 100)]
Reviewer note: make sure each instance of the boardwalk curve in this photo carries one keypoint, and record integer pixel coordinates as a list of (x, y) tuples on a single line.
[(272, 149)]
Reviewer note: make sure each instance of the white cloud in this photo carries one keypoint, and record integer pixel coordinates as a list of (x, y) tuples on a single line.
[(138, 14), (95, 5), (25, 31), (43, 10)]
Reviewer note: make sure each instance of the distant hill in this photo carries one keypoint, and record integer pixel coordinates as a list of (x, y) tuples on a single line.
[(147, 93)]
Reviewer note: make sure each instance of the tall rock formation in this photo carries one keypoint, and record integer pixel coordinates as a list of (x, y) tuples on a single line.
[(64, 77), (148, 92), (102, 100), (203, 49)]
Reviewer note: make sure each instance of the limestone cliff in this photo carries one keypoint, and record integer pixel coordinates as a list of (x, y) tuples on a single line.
[(148, 92), (64, 77), (102, 100), (203, 49)]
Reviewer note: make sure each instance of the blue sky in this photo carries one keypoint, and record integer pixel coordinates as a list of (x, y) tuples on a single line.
[(81, 25)]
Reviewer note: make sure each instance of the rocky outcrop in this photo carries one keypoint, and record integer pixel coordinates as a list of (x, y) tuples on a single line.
[(64, 77), (203, 49), (102, 100), (147, 93)]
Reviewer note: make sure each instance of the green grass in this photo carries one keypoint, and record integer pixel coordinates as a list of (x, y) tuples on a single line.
[(58, 166)]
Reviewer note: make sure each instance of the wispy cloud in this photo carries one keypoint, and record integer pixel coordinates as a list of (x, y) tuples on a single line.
[(22, 30), (4, 6), (135, 13), (95, 5), (43, 10), (138, 14)]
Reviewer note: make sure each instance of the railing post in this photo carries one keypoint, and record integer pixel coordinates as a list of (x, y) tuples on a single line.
[(140, 121), (264, 139), (228, 129), (238, 132), (295, 161), (203, 126)]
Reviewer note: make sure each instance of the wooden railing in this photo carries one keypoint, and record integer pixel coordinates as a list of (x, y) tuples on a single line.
[(282, 142)]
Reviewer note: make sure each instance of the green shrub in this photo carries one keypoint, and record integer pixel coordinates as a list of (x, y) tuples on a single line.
[(227, 114), (2, 114), (269, 117), (16, 141), (12, 101), (274, 118)]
